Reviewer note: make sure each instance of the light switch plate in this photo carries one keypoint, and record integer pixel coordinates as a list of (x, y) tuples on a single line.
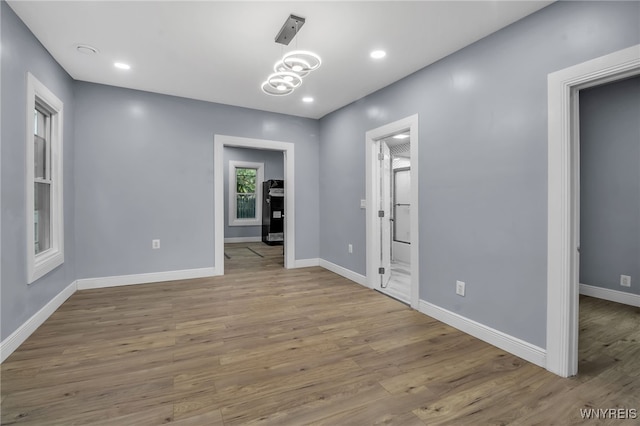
[(363, 204)]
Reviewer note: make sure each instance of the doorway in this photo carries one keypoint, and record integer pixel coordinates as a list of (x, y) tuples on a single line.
[(254, 211), (609, 159), (563, 231), (393, 210), (395, 222), (287, 148)]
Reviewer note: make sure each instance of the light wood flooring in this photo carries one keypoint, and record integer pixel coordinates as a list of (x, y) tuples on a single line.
[(265, 345)]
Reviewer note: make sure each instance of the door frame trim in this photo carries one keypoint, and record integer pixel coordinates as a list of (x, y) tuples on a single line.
[(287, 148), (563, 211), (372, 193)]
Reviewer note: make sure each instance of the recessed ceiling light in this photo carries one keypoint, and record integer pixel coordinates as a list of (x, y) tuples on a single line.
[(122, 65), (307, 99), (401, 136), (86, 49), (378, 54)]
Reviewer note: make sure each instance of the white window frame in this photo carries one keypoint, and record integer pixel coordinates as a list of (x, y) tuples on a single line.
[(44, 262), (233, 166)]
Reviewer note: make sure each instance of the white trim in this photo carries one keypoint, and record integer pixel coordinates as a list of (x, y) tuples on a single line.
[(344, 272), (42, 263), (307, 263), (563, 203), (219, 142), (611, 295), (15, 339), (373, 231), (259, 167), (506, 342), (152, 277), (243, 239)]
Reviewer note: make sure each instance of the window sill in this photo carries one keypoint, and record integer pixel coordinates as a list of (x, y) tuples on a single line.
[(44, 263), (245, 222)]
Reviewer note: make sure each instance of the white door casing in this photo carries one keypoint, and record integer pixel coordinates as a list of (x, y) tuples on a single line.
[(372, 190), (219, 142), (563, 202)]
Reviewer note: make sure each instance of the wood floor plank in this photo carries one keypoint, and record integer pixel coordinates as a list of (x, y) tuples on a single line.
[(269, 346)]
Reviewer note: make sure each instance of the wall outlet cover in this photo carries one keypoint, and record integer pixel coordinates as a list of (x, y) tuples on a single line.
[(625, 280), (155, 244), (460, 288)]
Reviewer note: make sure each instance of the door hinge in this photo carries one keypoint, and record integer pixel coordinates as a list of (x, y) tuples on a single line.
[(381, 271), (380, 213), (380, 156)]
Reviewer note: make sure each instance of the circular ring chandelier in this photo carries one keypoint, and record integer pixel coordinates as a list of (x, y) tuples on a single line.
[(301, 61), (281, 83), (281, 67), (294, 65)]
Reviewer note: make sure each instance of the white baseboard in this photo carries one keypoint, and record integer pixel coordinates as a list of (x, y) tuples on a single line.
[(243, 240), (15, 339), (611, 295), (513, 345), (153, 277), (306, 263), (347, 273)]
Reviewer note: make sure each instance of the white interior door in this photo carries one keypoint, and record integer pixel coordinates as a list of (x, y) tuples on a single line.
[(385, 213)]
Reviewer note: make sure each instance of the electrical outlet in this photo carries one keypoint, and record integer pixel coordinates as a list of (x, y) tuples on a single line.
[(625, 280), (350, 248), (155, 244), (460, 287)]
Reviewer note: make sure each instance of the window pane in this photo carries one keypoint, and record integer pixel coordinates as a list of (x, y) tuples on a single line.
[(42, 217), (245, 181), (40, 157), (246, 206), (40, 124)]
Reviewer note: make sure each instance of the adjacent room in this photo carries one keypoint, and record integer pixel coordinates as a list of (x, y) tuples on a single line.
[(316, 212)]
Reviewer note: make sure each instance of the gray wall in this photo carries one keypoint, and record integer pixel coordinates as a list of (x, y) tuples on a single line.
[(22, 53), (144, 170), (610, 185), (483, 162), (273, 169)]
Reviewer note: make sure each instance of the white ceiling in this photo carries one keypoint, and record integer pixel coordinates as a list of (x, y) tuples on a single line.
[(222, 51)]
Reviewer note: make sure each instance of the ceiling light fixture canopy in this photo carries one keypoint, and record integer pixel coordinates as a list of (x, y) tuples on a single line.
[(294, 65)]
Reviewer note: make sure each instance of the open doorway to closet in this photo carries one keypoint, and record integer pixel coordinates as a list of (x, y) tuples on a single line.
[(393, 210)]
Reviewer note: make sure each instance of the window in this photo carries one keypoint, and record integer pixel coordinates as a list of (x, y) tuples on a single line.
[(45, 233), (245, 189)]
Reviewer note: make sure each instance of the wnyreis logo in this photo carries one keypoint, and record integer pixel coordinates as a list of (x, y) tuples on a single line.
[(608, 413)]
